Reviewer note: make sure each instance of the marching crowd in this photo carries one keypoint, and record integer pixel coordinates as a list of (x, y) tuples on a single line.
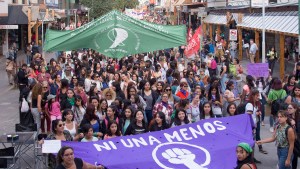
[(84, 96)]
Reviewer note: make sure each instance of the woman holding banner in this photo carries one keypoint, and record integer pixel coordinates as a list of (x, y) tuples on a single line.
[(66, 160), (244, 157)]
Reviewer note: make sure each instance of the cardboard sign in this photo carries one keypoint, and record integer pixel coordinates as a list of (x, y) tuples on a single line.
[(258, 69)]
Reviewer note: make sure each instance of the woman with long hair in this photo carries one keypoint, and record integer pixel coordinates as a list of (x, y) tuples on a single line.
[(207, 112), (150, 98), (181, 118), (194, 109), (275, 93), (231, 109), (261, 85), (36, 104), (284, 136), (138, 125), (216, 100), (289, 86), (91, 118), (294, 97), (159, 122), (79, 109), (247, 88), (245, 159)]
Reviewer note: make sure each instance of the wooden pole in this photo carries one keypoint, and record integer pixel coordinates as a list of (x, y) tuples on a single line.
[(257, 43), (36, 28), (281, 56), (211, 32), (29, 25), (219, 32), (240, 44), (204, 29)]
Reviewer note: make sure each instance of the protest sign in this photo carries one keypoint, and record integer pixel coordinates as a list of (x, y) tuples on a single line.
[(258, 69), (207, 144)]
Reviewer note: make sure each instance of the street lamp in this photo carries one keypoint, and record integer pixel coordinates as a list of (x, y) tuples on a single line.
[(42, 15)]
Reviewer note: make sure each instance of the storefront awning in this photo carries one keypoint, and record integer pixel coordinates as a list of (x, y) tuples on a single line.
[(218, 18), (284, 22), (16, 16)]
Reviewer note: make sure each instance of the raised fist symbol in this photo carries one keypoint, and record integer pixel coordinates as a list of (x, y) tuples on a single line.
[(181, 156)]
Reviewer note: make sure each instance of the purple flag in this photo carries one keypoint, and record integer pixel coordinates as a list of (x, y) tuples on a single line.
[(207, 144)]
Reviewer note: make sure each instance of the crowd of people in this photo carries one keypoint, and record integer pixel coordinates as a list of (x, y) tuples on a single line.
[(84, 96)]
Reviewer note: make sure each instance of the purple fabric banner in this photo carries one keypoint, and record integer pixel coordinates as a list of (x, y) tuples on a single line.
[(258, 69), (207, 144)]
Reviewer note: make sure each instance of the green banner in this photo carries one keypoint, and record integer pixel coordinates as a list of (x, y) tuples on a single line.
[(117, 35)]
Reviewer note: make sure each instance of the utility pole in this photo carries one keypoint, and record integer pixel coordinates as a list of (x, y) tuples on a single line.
[(68, 12), (263, 33)]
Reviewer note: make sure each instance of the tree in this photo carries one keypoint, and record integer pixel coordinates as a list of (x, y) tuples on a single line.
[(101, 7)]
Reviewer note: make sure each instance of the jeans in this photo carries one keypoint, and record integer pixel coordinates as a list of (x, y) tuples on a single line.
[(233, 53), (282, 154), (263, 103), (48, 123), (37, 117), (223, 81), (257, 132), (28, 59), (271, 65), (271, 120)]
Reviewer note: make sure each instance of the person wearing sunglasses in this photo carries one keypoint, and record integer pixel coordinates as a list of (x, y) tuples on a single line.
[(183, 91)]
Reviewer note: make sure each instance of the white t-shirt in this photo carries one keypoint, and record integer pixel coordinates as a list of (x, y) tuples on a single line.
[(249, 107)]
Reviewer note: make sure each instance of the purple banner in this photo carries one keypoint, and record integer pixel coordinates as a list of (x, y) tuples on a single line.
[(207, 144), (258, 69)]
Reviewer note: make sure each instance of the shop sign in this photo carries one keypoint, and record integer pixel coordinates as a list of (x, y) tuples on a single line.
[(202, 12), (9, 27), (185, 9), (233, 35)]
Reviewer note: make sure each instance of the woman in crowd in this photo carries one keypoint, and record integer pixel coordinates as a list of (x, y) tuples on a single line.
[(66, 159), (284, 136), (244, 157), (231, 109), (194, 109), (36, 104), (91, 118), (150, 98), (45, 119), (183, 93), (216, 100), (181, 118), (70, 124), (163, 106), (247, 88), (159, 122), (207, 111), (78, 109), (289, 86), (138, 125), (127, 118), (113, 130), (275, 93), (88, 132), (294, 97)]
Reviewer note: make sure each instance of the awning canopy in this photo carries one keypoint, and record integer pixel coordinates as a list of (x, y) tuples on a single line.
[(16, 16), (285, 22), (117, 35), (179, 2), (218, 18)]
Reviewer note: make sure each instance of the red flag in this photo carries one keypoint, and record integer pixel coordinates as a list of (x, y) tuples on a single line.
[(193, 44), (189, 35)]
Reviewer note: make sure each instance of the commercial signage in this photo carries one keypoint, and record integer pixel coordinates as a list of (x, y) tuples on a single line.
[(9, 27), (259, 3), (233, 34), (202, 12), (52, 3)]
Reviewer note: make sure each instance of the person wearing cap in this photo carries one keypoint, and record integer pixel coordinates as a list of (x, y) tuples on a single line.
[(244, 157), (52, 108)]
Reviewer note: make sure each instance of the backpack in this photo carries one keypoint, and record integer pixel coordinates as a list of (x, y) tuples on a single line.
[(241, 109), (278, 104), (232, 69), (213, 64), (296, 150)]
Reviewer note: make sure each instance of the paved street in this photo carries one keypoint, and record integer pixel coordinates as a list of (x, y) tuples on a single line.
[(9, 116)]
